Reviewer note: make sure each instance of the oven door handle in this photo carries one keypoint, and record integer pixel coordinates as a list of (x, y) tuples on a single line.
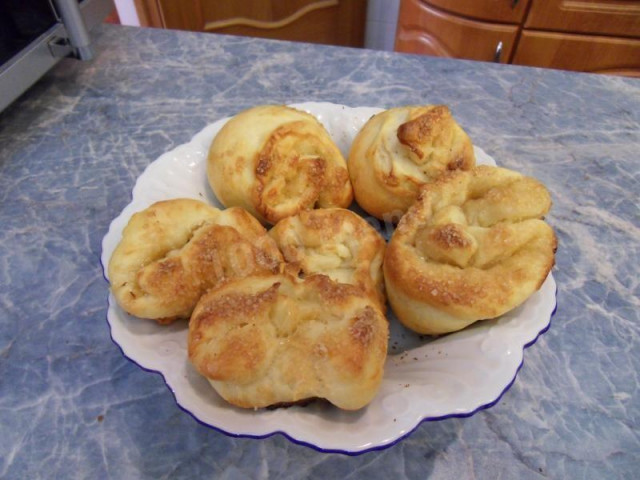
[(71, 17)]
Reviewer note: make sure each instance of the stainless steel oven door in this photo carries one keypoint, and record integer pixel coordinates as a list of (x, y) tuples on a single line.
[(67, 37)]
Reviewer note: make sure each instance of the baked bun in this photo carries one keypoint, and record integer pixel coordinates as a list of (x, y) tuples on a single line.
[(175, 250), (472, 247), (399, 150), (276, 161), (267, 340), (335, 242)]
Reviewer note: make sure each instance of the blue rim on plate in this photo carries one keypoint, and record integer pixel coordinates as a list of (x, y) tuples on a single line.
[(343, 452), (441, 387)]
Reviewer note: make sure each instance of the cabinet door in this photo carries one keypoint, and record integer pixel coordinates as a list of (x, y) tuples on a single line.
[(334, 22), (507, 11), (606, 17), (427, 30), (586, 53)]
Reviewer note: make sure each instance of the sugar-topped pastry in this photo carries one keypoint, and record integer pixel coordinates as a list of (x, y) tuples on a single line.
[(472, 247), (335, 242), (268, 340), (276, 161), (399, 150), (175, 250)]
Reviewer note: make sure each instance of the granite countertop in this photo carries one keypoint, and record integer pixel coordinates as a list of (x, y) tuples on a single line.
[(72, 406)]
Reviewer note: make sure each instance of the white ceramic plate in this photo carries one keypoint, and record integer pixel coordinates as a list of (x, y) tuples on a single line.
[(455, 375)]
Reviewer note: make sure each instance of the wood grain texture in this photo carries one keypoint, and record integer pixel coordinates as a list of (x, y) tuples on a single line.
[(427, 30), (606, 17), (270, 23), (585, 53), (334, 22), (149, 13), (499, 11)]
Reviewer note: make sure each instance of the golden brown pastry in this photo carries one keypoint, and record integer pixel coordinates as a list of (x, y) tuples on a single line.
[(472, 247), (175, 250), (273, 339), (276, 161), (399, 150), (335, 242)]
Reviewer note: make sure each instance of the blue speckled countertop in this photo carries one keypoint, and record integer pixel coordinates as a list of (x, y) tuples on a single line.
[(71, 406)]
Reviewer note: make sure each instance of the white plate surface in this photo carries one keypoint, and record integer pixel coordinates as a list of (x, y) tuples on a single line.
[(424, 380)]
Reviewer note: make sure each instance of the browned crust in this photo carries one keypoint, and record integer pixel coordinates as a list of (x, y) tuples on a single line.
[(174, 251), (416, 131), (470, 293), (276, 161), (389, 162), (449, 236), (331, 343), (300, 235)]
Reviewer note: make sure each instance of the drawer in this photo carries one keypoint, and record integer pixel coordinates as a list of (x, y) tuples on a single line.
[(587, 53), (498, 11), (605, 17), (427, 30)]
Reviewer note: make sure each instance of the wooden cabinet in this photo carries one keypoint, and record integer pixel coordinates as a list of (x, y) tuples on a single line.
[(585, 53), (503, 11), (334, 22), (600, 17), (588, 35), (426, 29)]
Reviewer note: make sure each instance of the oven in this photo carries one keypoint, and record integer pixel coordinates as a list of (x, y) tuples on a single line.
[(36, 34)]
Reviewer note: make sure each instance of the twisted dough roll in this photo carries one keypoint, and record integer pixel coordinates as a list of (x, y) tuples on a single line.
[(472, 247), (276, 161), (175, 250), (399, 150), (273, 339), (335, 242)]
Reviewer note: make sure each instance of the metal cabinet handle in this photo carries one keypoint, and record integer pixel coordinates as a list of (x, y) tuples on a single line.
[(498, 53)]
